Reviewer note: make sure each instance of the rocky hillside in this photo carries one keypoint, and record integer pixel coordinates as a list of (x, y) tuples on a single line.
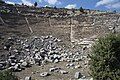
[(42, 43)]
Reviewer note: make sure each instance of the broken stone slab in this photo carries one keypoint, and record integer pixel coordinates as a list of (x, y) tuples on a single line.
[(85, 79), (63, 72), (78, 75), (56, 61), (26, 46), (13, 64), (16, 67), (54, 69), (11, 68), (44, 74), (10, 38), (5, 47), (16, 51), (21, 61), (28, 78), (12, 57), (3, 63), (24, 64), (1, 66), (56, 56), (27, 50), (77, 66), (70, 65)]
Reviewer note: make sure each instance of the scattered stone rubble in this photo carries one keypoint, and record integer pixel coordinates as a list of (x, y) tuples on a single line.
[(23, 53)]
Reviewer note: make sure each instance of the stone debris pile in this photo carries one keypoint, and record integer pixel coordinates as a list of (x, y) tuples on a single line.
[(25, 52)]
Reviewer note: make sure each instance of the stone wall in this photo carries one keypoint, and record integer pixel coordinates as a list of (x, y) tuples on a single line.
[(92, 26), (68, 29)]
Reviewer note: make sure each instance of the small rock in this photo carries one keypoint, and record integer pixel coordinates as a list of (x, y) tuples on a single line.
[(24, 64), (21, 61), (77, 75), (44, 74), (91, 78), (13, 64), (16, 67), (16, 50), (28, 78), (72, 64), (9, 38), (55, 69), (63, 72), (12, 57), (52, 69), (5, 47), (33, 72), (1, 66), (56, 61), (77, 66)]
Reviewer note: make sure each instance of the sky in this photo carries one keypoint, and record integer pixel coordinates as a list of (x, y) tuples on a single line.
[(109, 5)]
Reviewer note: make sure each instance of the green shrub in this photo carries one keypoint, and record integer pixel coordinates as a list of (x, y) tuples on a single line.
[(105, 58), (7, 75)]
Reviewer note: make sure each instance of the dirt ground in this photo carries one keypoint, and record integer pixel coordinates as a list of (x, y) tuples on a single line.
[(35, 71)]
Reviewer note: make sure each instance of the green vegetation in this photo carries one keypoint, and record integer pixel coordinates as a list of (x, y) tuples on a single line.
[(105, 58), (7, 75)]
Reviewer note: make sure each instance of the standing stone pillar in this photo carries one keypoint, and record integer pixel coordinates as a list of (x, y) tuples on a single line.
[(28, 25), (2, 20), (71, 33), (36, 17), (50, 22), (71, 30)]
